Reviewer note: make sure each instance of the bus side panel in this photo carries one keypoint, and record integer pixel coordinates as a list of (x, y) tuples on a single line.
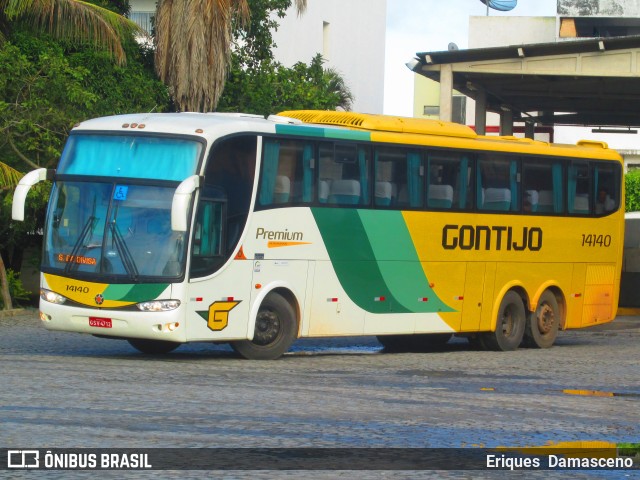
[(219, 306), (332, 311), (599, 294), (575, 298), (488, 297), (474, 287), (269, 275), (447, 279)]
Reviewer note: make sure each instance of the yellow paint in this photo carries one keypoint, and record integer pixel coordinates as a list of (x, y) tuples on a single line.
[(219, 315), (573, 449), (588, 393), (275, 244), (81, 292)]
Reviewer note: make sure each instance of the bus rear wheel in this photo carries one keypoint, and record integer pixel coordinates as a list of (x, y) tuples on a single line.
[(153, 346), (510, 325), (542, 325), (276, 329), (414, 343)]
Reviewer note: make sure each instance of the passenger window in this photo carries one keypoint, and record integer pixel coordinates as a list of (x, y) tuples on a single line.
[(498, 182), (606, 181), (542, 186), (399, 175), (344, 174), (450, 181), (287, 173), (578, 181)]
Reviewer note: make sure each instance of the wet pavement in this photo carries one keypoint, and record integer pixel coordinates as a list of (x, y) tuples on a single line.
[(63, 390)]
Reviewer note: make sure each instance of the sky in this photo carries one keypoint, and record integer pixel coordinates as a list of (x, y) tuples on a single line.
[(430, 25)]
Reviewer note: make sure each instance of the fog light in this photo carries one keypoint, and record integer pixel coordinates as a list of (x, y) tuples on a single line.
[(44, 317)]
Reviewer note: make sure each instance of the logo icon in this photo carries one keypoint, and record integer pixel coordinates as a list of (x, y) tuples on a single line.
[(217, 316), (23, 459), (99, 299)]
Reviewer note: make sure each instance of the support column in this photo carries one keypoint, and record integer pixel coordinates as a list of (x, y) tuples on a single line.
[(506, 123), (446, 93), (529, 130), (481, 112)]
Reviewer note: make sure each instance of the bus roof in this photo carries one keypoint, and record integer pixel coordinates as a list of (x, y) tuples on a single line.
[(405, 130), (207, 125), (377, 128)]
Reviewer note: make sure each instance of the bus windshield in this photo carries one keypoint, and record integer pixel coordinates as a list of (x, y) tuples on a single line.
[(113, 229)]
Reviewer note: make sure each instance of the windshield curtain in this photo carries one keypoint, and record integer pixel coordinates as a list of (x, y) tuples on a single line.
[(148, 157), (113, 229)]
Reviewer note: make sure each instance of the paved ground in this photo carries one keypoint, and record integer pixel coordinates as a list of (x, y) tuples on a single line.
[(70, 390)]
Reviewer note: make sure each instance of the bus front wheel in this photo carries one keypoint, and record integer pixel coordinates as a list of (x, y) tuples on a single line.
[(542, 325), (510, 325), (275, 330), (153, 347)]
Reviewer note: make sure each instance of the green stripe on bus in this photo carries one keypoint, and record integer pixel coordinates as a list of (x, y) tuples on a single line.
[(398, 261), (373, 256), (323, 132), (134, 293), (354, 261)]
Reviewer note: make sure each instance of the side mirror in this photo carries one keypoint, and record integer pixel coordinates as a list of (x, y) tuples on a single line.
[(181, 201), (24, 185)]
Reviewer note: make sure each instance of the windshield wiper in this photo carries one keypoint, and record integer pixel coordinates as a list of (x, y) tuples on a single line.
[(88, 226), (124, 252)]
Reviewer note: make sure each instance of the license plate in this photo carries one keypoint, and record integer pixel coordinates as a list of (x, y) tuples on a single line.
[(100, 322)]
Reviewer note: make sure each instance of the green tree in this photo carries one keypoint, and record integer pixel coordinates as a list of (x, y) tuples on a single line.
[(72, 21), (632, 188), (271, 88), (256, 83), (46, 86)]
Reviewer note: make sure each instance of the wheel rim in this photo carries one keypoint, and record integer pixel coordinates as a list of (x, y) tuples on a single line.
[(546, 319), (508, 322), (267, 327)]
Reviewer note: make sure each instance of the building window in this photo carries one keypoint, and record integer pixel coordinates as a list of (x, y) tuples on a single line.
[(143, 19), (431, 110)]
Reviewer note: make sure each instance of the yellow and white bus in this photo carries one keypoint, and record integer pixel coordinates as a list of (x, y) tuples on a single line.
[(171, 228)]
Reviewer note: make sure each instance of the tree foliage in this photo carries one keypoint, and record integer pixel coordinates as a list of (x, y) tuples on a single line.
[(256, 83), (46, 86), (632, 188), (99, 23)]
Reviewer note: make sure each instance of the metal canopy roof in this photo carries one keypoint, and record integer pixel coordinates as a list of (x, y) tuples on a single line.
[(579, 82)]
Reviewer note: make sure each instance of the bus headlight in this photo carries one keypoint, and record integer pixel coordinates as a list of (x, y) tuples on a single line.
[(52, 297), (159, 305)]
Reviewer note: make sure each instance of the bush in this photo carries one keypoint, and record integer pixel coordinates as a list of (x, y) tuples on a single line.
[(16, 290), (632, 187)]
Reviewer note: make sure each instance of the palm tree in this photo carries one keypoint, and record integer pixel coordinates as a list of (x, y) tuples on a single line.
[(71, 20), (193, 47)]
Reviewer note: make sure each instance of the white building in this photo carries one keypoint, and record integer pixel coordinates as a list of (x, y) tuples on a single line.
[(350, 35)]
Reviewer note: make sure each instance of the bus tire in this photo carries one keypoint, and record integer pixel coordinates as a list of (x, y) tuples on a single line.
[(423, 342), (510, 325), (276, 329), (153, 347), (543, 324)]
